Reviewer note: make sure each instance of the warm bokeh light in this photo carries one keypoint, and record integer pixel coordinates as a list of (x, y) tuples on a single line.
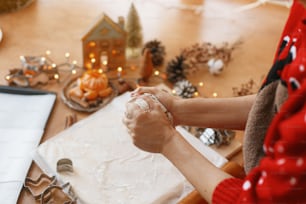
[(56, 76)]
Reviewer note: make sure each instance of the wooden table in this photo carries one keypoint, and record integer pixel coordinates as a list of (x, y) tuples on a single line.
[(59, 25)]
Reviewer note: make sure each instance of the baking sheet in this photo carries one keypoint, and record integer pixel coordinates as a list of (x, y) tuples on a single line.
[(23, 116)]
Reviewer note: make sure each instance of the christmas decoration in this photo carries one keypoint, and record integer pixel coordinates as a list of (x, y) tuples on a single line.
[(176, 69), (38, 70), (157, 51), (134, 30), (185, 89), (90, 89), (210, 136), (104, 44), (88, 92), (247, 88), (147, 66), (215, 66), (208, 55)]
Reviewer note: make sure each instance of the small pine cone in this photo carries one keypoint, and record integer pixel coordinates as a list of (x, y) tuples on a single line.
[(185, 89), (176, 69), (157, 51)]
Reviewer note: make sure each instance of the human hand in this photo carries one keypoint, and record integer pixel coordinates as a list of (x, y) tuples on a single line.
[(166, 99), (147, 124)]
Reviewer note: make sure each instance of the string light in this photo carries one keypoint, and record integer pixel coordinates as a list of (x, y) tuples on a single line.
[(37, 65), (67, 55), (215, 94), (56, 76), (119, 70), (156, 73)]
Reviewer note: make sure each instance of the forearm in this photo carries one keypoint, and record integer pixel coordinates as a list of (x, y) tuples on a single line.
[(227, 113), (197, 169)]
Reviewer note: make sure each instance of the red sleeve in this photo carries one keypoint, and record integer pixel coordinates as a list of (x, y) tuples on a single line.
[(227, 191)]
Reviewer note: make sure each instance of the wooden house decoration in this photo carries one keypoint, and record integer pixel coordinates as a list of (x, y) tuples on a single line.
[(104, 45)]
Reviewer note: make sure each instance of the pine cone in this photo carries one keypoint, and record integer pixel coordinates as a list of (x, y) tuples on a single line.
[(185, 89), (157, 51), (176, 69)]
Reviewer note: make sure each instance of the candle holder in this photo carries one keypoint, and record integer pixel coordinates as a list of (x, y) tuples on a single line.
[(39, 70)]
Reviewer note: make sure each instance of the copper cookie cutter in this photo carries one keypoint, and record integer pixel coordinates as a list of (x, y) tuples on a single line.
[(46, 189)]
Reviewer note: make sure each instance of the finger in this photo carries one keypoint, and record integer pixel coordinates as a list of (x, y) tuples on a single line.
[(142, 90), (125, 121), (152, 100), (131, 108), (142, 104)]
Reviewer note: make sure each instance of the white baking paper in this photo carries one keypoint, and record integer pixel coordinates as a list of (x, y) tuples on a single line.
[(108, 168)]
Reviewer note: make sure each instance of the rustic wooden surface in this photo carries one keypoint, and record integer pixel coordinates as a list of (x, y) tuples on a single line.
[(59, 25)]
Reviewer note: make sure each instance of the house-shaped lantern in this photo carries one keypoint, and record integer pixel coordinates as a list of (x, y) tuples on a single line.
[(104, 44)]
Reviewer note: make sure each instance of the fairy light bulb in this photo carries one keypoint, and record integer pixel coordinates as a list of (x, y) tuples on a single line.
[(73, 71), (119, 70), (100, 71), (42, 61), (201, 84), (196, 94), (67, 54), (56, 76), (215, 94), (156, 73), (48, 52)]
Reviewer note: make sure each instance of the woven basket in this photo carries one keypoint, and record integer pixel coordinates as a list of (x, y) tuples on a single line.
[(13, 5)]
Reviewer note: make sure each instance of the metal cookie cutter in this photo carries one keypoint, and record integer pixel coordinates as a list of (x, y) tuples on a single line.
[(64, 165), (58, 194), (37, 187)]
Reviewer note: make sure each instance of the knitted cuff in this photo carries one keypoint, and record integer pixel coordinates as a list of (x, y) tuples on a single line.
[(227, 191)]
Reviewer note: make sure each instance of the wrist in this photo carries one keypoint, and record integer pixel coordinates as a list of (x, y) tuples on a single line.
[(170, 142), (174, 110)]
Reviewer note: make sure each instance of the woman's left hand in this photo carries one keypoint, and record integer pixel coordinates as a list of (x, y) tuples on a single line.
[(148, 124)]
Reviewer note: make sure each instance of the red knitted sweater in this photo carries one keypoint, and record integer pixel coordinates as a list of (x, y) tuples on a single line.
[(280, 176)]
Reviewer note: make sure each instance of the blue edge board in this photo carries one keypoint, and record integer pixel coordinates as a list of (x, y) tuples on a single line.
[(23, 91)]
